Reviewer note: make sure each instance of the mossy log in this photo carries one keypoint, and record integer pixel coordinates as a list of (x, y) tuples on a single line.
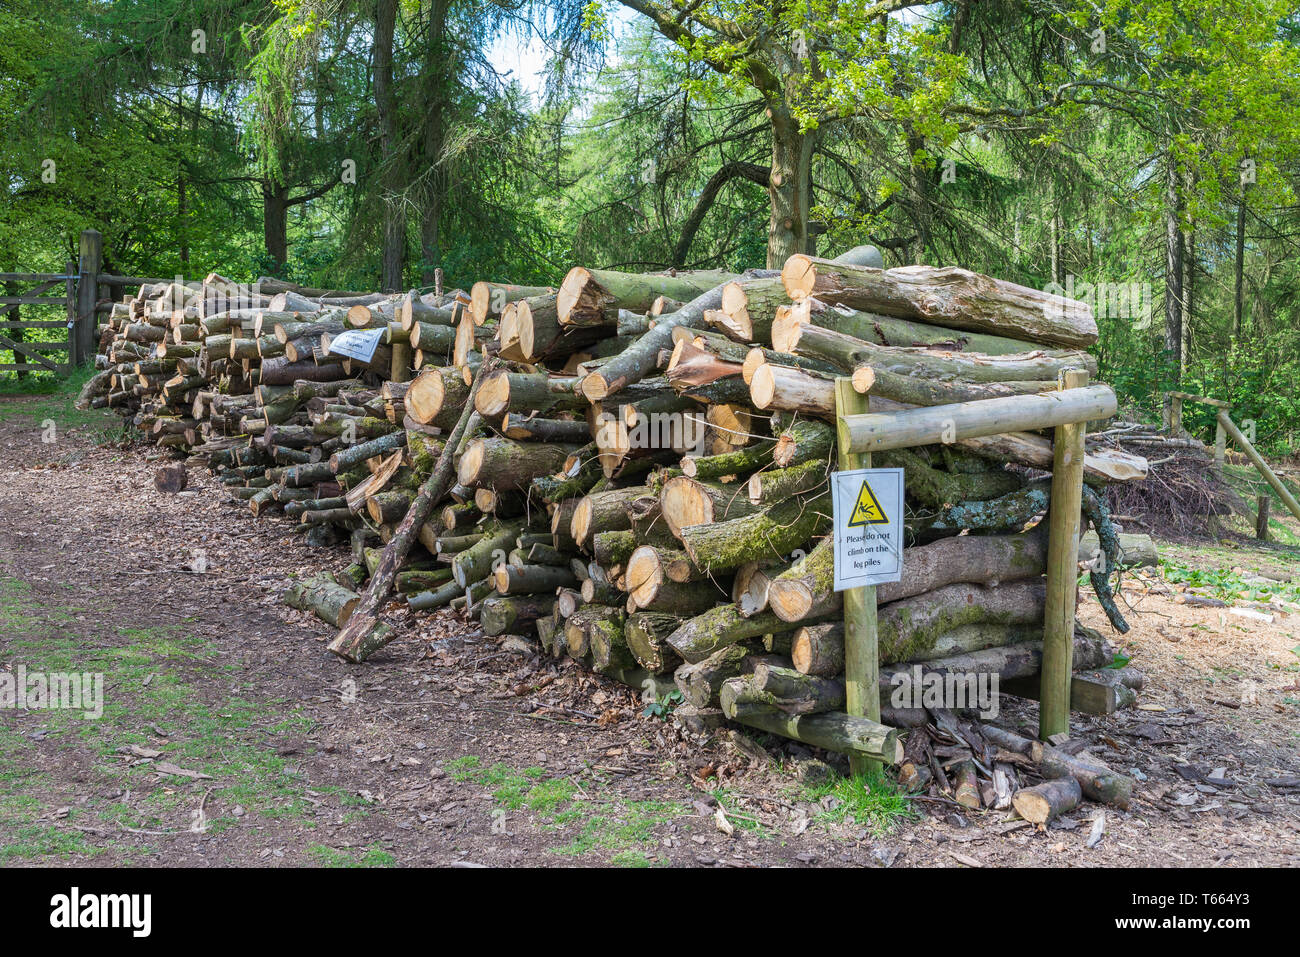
[(1004, 513), (938, 488), (346, 458), (513, 614), (740, 462), (748, 307), (777, 485), (590, 296), (531, 579), (972, 369), (323, 597), (872, 380), (476, 562), (701, 682), (607, 640), (612, 548), (804, 440), (916, 628), (505, 464), (797, 693), (579, 626), (707, 633), (832, 730), (772, 533), (807, 589)]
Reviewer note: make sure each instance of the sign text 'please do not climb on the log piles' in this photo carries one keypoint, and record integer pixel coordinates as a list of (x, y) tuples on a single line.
[(868, 507)]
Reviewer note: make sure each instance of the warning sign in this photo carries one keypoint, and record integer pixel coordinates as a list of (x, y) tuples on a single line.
[(867, 510), (868, 507)]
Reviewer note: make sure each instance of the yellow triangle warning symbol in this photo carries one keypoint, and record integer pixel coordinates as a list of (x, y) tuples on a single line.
[(867, 510)]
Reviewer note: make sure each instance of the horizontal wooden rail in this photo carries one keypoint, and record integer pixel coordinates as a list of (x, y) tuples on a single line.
[(877, 432), (111, 280), (33, 301), (34, 277)]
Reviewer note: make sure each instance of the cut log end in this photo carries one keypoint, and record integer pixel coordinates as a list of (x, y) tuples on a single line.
[(594, 387), (799, 275), (171, 479)]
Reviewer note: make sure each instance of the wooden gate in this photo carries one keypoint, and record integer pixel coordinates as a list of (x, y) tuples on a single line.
[(79, 307), (44, 353)]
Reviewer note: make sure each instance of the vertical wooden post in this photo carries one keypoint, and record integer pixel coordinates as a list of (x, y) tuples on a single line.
[(861, 657), (1261, 516), (1062, 569), (1176, 416), (70, 291), (1220, 445), (402, 359), (92, 254)]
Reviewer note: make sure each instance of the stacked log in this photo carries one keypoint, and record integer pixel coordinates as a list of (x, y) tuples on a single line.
[(635, 468)]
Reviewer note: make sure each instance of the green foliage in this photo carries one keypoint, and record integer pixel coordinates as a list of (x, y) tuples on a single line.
[(664, 706), (1053, 141)]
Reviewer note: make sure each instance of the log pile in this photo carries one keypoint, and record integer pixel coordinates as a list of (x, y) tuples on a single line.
[(635, 468)]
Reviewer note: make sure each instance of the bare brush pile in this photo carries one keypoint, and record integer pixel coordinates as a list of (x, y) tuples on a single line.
[(1184, 494), (635, 469)]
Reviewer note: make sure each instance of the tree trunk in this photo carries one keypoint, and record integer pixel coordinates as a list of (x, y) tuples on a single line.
[(275, 222), (394, 219), (1173, 271), (789, 186)]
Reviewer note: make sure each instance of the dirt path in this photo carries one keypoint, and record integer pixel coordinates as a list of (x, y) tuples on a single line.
[(229, 735)]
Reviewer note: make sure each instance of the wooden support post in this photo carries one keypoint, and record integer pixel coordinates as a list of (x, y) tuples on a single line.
[(1062, 569), (1257, 460), (1220, 445), (92, 253), (861, 657), (1261, 516), (1175, 414), (401, 367)]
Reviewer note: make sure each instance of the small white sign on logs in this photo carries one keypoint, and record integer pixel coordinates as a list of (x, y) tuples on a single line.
[(868, 506), (359, 344)]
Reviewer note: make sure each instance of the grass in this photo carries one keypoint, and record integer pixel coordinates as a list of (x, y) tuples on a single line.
[(589, 824), (49, 399), (873, 801), (149, 681), (373, 856)]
